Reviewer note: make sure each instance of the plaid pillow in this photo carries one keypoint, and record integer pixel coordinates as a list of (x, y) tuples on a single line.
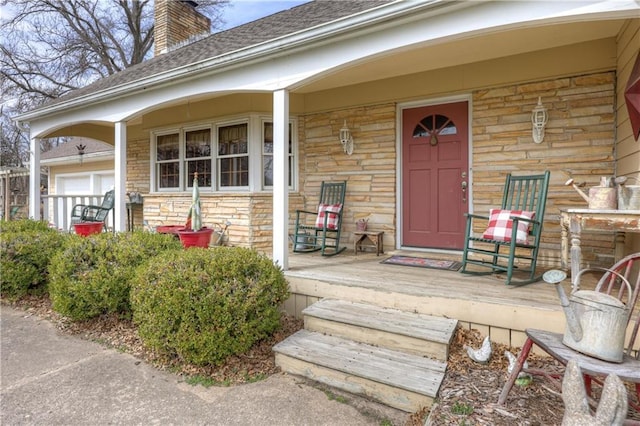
[(331, 211), (501, 225)]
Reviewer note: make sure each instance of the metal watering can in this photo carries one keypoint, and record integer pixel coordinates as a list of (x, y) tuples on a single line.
[(603, 197), (596, 322)]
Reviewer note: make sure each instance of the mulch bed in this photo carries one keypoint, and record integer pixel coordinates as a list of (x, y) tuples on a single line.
[(468, 394)]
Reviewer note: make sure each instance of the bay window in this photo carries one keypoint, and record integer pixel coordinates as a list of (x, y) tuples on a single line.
[(228, 156)]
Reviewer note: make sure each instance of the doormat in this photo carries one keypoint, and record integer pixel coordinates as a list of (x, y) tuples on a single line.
[(421, 262)]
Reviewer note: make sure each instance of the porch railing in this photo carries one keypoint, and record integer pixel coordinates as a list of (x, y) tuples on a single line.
[(56, 209)]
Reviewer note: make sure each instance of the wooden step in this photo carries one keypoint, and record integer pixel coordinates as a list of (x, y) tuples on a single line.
[(403, 381), (410, 332)]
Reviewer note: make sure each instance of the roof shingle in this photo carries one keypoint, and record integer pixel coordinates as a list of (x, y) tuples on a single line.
[(305, 16)]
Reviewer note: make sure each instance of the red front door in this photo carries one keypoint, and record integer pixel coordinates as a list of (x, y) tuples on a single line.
[(435, 175)]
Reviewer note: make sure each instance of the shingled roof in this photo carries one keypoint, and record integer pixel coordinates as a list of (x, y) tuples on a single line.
[(68, 149), (305, 16)]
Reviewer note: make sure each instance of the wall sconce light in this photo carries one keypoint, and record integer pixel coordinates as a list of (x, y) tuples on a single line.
[(346, 139), (80, 149), (539, 118)]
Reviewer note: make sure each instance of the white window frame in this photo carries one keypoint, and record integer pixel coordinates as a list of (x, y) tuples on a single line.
[(183, 160), (255, 138), (293, 155)]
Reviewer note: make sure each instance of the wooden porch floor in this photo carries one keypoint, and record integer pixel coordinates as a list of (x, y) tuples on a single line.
[(482, 302)]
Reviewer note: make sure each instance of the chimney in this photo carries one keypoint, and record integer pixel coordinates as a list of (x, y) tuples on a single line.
[(176, 22)]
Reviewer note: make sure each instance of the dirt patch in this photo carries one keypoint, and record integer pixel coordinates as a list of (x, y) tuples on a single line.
[(467, 396)]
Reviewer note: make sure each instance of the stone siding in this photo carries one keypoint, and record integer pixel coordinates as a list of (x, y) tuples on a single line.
[(578, 143), (370, 171)]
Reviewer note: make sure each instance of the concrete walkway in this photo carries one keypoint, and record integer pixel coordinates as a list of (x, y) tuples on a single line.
[(48, 378)]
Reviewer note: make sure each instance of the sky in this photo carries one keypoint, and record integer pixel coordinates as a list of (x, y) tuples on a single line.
[(242, 11)]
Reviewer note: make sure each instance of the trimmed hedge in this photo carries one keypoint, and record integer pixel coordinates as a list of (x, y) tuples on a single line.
[(203, 305), (26, 247), (92, 276)]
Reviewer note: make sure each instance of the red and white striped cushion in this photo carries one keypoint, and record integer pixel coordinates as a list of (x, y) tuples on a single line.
[(330, 210), (501, 225)]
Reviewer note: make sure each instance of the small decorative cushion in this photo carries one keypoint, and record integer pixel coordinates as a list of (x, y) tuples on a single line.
[(331, 211), (501, 225)]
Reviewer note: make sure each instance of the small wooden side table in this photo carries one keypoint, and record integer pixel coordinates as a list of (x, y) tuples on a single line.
[(375, 238)]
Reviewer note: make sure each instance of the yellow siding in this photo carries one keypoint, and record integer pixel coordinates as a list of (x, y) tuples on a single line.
[(627, 146)]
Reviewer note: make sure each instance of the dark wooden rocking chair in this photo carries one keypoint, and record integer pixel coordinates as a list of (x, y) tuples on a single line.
[(90, 213), (593, 369), (320, 230), (512, 232)]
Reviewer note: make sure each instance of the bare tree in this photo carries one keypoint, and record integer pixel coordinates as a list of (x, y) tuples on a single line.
[(49, 47)]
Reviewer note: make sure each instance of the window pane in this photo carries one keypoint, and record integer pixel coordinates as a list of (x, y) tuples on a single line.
[(440, 120), (449, 129), (203, 167), (167, 147), (232, 140), (267, 156), (169, 175), (268, 138), (420, 132), (234, 171), (198, 143), (267, 167)]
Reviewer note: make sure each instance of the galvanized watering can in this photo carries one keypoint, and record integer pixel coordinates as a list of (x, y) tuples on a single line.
[(596, 322)]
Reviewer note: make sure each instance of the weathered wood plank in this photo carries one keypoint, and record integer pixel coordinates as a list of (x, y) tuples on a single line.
[(422, 335), (397, 398), (552, 342), (412, 324), (397, 369)]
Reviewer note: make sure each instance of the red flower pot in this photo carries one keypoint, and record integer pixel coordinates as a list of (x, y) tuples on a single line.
[(190, 238), (88, 228), (169, 229)]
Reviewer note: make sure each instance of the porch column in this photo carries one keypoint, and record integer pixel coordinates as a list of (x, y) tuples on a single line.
[(119, 207), (34, 179), (281, 178)]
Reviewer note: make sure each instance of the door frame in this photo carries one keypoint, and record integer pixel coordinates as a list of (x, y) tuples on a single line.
[(421, 103)]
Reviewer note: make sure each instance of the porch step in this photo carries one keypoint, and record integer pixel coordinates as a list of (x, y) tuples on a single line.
[(404, 381), (409, 332), (395, 357)]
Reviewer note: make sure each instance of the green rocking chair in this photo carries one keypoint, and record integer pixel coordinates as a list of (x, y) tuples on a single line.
[(320, 230), (512, 232)]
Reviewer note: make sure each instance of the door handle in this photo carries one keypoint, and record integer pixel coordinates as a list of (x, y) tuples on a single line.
[(464, 191)]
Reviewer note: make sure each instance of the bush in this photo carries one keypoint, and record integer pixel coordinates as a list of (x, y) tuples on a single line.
[(23, 225), (92, 276), (25, 251), (204, 305)]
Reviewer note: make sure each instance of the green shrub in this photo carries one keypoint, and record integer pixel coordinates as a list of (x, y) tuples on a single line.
[(92, 276), (25, 252), (204, 305), (23, 225)]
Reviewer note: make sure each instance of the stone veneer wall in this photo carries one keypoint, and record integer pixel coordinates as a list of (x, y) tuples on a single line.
[(579, 143), (370, 171)]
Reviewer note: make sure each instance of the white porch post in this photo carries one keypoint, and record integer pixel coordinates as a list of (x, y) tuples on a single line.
[(119, 208), (281, 178), (34, 179)]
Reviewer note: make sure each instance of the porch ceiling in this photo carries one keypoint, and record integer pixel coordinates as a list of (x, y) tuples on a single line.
[(462, 50)]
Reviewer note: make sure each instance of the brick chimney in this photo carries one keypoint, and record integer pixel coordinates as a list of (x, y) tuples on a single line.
[(176, 22)]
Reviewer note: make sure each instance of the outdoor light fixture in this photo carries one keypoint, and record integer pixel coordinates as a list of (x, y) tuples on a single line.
[(346, 139), (80, 149), (539, 120)]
